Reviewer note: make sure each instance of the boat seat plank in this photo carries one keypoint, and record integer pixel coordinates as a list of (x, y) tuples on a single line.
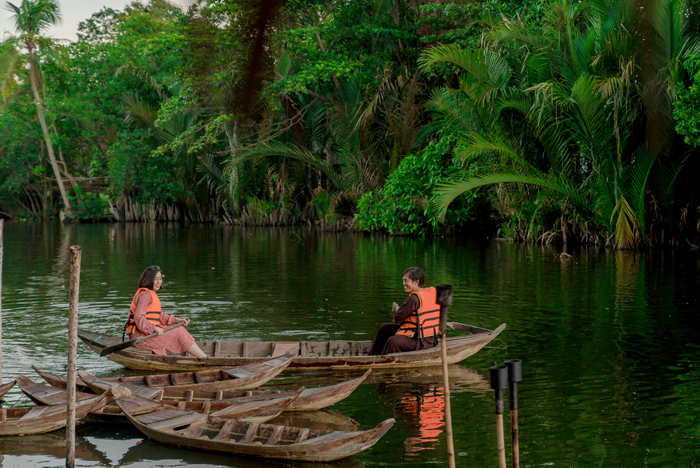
[(149, 381), (326, 437), (35, 412), (280, 348), (217, 349), (189, 395), (179, 421), (237, 373), (250, 433), (276, 436)]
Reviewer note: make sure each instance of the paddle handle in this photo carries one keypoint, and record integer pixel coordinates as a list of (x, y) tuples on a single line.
[(144, 338), (135, 341)]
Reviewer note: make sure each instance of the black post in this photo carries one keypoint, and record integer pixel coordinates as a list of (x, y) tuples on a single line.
[(515, 375), (444, 298), (499, 382)]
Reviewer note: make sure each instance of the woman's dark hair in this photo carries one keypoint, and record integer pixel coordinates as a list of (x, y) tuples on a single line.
[(415, 274), (148, 277)]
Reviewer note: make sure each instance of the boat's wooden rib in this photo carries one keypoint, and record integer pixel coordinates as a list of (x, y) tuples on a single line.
[(182, 428), (6, 388), (244, 408), (43, 419), (323, 354), (310, 399)]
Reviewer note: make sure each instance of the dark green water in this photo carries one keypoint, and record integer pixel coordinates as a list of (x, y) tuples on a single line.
[(610, 342)]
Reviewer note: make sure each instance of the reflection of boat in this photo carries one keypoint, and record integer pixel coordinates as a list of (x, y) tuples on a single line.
[(53, 445), (312, 354), (183, 428), (42, 419), (244, 408), (234, 378), (328, 419)]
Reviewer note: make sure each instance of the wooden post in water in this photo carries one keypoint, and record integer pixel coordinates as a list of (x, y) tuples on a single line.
[(515, 375), (444, 298), (2, 227), (75, 252), (499, 381)]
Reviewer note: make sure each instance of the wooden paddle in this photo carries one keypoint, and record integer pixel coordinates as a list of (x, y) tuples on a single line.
[(135, 341)]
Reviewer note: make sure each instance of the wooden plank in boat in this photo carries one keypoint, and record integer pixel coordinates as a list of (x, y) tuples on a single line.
[(338, 348), (281, 348), (179, 421)]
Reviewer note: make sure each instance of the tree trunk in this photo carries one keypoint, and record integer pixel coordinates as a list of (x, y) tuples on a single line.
[(33, 71)]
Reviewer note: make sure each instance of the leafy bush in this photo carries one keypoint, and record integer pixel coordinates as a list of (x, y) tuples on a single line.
[(402, 206), (687, 107), (88, 205)]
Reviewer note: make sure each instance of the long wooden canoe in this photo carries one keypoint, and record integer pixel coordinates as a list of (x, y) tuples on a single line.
[(244, 408), (43, 419), (179, 427), (310, 399), (312, 354), (242, 377)]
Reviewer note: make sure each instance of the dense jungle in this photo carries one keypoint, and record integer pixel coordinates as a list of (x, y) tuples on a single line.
[(533, 120)]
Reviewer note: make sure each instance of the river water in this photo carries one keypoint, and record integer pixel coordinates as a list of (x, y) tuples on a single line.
[(610, 342)]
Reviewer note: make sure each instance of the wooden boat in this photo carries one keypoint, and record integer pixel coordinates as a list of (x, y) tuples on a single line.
[(43, 419), (6, 388), (175, 426), (312, 354), (242, 377), (244, 408), (310, 399)]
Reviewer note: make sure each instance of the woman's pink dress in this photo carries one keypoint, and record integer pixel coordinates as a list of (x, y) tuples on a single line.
[(177, 340)]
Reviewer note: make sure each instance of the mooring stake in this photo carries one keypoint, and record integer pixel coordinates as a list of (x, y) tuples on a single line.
[(499, 382), (515, 375), (444, 298), (75, 254)]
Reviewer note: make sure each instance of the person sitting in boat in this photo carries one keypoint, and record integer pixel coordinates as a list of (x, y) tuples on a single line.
[(146, 318), (416, 322)]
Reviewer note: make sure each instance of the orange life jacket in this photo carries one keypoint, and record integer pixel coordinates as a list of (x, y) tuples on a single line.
[(152, 311), (425, 322)]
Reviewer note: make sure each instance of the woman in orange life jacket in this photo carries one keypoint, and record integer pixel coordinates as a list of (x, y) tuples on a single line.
[(146, 318), (416, 322)]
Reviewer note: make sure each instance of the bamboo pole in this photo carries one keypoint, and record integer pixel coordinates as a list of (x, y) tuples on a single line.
[(2, 227), (75, 252), (444, 298), (499, 381), (515, 375)]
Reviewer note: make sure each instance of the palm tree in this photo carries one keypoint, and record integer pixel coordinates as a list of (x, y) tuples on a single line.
[(31, 18)]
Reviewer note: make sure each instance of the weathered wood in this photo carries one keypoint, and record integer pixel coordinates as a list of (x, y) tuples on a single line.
[(40, 420), (75, 254), (311, 354), (216, 434)]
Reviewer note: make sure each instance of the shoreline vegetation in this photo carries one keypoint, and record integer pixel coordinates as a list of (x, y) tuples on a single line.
[(538, 121)]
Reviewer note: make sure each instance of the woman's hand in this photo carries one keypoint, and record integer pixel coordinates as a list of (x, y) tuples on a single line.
[(159, 331), (186, 321)]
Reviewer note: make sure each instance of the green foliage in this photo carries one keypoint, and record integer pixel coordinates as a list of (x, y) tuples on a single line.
[(88, 206), (687, 107), (401, 206)]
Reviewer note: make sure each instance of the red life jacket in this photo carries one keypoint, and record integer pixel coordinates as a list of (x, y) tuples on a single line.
[(425, 322), (152, 311)]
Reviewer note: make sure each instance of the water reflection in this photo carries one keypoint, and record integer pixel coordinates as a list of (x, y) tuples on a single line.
[(608, 339)]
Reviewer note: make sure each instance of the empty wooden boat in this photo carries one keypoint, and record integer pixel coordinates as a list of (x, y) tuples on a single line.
[(312, 354), (183, 428), (310, 399), (43, 419), (243, 377), (244, 408)]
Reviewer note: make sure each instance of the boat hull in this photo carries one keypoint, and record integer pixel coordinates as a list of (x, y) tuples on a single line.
[(312, 355)]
